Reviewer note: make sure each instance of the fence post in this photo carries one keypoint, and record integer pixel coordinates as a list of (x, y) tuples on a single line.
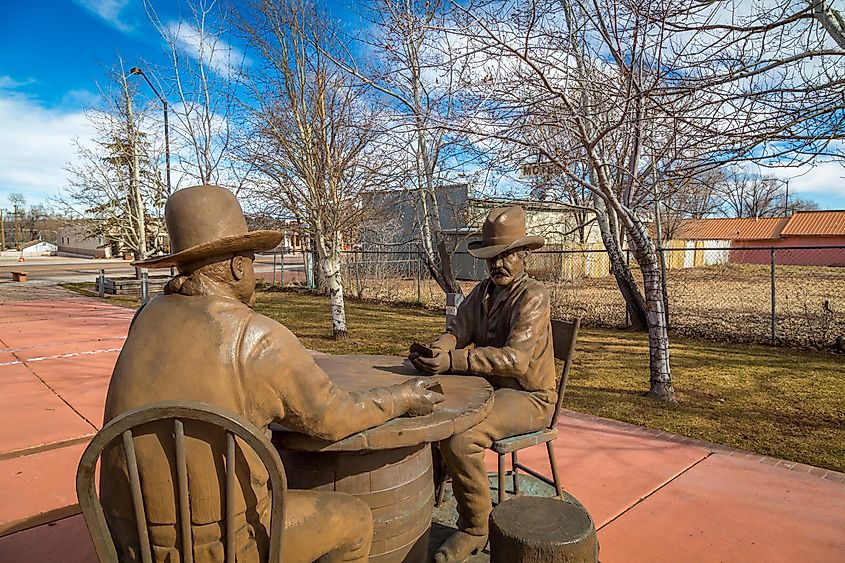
[(274, 269), (145, 287), (102, 283), (282, 264), (627, 265), (359, 289), (664, 290), (774, 299), (453, 301), (419, 281)]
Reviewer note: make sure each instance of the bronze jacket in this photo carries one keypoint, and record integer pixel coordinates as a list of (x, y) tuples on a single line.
[(219, 351), (507, 339)]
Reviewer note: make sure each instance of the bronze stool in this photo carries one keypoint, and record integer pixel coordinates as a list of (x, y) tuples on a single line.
[(542, 530)]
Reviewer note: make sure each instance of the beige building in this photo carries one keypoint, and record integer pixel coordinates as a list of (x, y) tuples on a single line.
[(461, 217), (73, 240)]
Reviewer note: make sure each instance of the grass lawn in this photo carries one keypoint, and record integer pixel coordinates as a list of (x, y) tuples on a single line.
[(775, 401)]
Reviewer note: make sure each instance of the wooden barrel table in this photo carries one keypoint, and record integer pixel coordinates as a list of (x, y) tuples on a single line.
[(389, 466)]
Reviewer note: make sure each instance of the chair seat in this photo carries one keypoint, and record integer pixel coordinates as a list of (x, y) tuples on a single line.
[(514, 443)]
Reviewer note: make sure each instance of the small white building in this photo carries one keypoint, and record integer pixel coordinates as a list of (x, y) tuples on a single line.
[(37, 248)]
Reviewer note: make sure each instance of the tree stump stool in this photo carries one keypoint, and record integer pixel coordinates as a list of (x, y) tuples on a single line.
[(542, 530)]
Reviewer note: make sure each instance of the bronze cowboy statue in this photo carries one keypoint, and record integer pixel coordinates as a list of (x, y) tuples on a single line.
[(201, 341), (502, 332)]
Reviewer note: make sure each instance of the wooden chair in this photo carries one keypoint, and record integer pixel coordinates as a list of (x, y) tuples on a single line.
[(564, 334), (177, 411)]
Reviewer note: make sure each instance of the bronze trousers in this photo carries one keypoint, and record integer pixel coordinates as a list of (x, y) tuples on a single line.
[(331, 527), (514, 412)]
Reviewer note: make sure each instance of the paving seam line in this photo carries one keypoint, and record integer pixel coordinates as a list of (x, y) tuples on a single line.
[(56, 393), (32, 450), (49, 344), (36, 319), (651, 493), (46, 517), (61, 356)]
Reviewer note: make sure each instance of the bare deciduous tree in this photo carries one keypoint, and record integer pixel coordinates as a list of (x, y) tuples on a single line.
[(18, 201), (310, 135), (745, 194), (632, 100), (201, 76), (416, 72), (114, 187)]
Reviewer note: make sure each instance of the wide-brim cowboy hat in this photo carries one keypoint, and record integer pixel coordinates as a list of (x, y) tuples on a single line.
[(504, 230), (207, 221)]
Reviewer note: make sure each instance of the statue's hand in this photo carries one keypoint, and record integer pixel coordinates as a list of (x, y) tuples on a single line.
[(438, 363), (420, 399)]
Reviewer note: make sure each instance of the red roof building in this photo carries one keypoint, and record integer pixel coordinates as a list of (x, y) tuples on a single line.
[(811, 229), (731, 229)]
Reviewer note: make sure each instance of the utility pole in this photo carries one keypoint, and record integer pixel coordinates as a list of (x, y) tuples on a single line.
[(786, 204), (138, 71), (2, 232)]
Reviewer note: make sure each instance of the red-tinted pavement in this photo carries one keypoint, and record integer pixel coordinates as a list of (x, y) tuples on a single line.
[(653, 496)]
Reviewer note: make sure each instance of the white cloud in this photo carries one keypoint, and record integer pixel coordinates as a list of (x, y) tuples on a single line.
[(80, 98), (207, 48), (109, 10), (35, 147), (824, 178), (7, 82)]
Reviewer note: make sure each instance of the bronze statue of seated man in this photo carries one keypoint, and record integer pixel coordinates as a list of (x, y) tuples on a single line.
[(201, 341), (502, 332)]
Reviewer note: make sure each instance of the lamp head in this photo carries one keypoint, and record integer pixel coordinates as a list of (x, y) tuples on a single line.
[(136, 70)]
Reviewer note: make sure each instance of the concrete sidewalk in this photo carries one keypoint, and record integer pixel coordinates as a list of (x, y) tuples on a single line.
[(654, 496)]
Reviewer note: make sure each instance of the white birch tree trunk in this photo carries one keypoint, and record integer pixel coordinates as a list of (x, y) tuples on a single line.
[(660, 375), (330, 264)]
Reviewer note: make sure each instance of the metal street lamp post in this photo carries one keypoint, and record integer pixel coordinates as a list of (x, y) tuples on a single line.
[(140, 72)]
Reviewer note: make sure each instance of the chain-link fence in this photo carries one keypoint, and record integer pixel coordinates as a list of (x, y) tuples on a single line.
[(788, 295), (383, 275)]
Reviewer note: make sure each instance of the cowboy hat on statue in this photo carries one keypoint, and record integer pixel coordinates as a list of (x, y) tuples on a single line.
[(503, 231), (207, 221)]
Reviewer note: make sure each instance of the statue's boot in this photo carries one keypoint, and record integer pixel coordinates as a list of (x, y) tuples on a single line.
[(459, 547)]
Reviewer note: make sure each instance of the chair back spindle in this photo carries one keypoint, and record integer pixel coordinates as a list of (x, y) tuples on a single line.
[(137, 497), (182, 486), (178, 412), (230, 498)]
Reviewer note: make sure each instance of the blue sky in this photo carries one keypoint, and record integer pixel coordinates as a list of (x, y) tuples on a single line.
[(57, 50)]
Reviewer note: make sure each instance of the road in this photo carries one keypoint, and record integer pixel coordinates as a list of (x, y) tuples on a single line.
[(60, 269)]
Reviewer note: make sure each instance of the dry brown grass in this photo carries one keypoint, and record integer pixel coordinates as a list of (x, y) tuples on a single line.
[(774, 401)]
